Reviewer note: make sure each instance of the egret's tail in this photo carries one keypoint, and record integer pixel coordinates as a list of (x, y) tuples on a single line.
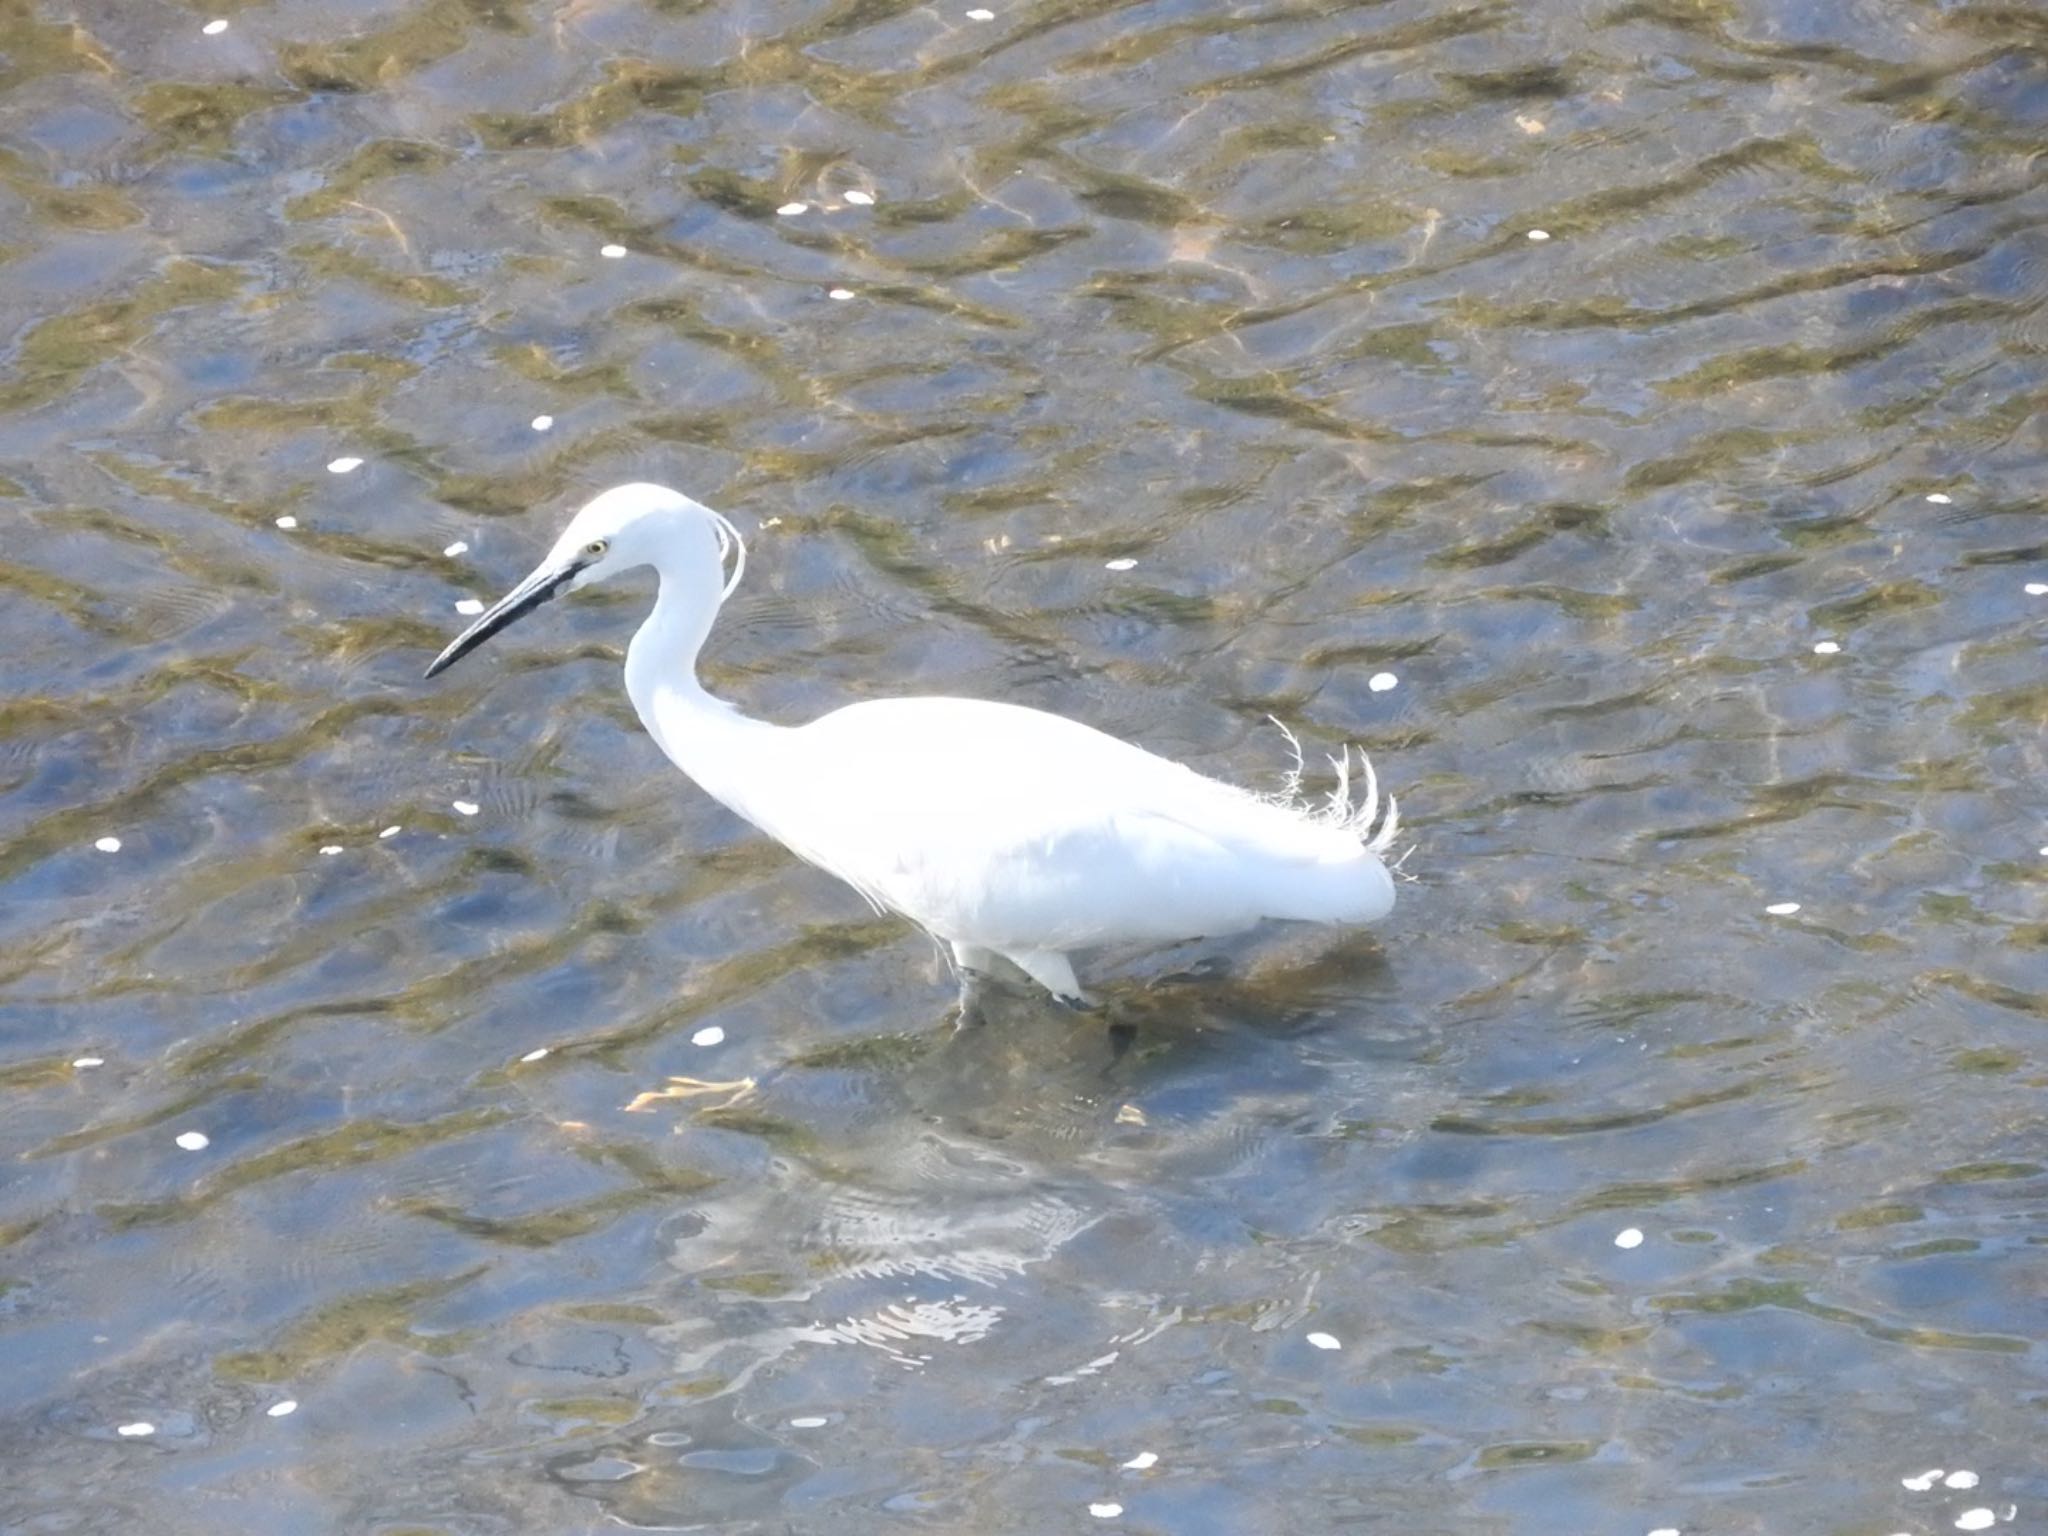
[(1374, 829)]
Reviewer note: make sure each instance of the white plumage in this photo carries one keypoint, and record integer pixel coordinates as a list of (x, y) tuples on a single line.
[(1004, 831)]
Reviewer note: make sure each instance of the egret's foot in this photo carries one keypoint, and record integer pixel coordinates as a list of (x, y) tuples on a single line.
[(1208, 968), (741, 1088), (1122, 1035)]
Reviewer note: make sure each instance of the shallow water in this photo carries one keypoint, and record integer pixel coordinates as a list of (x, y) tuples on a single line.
[(1249, 296)]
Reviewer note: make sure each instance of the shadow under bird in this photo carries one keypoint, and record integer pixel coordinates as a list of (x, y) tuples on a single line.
[(1001, 830)]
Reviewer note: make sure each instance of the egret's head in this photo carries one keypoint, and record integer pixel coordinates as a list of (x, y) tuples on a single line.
[(627, 526)]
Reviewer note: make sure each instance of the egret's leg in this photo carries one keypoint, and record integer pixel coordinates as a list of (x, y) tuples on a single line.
[(973, 963), (973, 957), (1051, 970)]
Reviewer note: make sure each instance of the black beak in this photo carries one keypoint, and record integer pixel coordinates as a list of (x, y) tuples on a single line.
[(508, 610)]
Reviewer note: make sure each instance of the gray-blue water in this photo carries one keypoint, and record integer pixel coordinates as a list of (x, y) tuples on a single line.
[(1248, 295)]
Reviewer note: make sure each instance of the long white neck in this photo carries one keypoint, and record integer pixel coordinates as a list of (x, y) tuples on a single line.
[(709, 739)]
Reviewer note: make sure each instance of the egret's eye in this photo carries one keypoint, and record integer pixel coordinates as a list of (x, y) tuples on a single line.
[(596, 548)]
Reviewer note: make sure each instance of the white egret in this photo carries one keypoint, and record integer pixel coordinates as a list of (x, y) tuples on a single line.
[(1001, 830)]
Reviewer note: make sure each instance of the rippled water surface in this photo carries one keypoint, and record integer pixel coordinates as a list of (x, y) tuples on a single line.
[(1698, 537)]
